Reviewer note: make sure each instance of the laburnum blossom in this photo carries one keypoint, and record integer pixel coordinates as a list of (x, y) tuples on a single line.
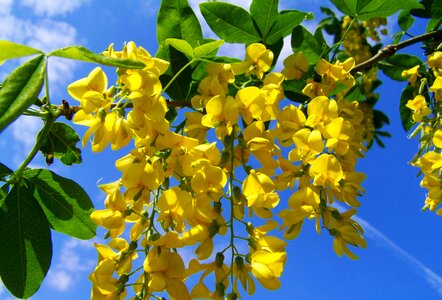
[(219, 269), (436, 88), (171, 210), (303, 204), (321, 110), (326, 171), (259, 190), (122, 259), (221, 114), (290, 120), (411, 74), (434, 61), (261, 145), (104, 286), (242, 272), (338, 134), (338, 72), (166, 272), (258, 61), (419, 107), (90, 91), (295, 65), (107, 127), (267, 262), (345, 231)]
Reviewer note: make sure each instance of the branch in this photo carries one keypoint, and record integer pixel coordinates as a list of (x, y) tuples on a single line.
[(391, 49)]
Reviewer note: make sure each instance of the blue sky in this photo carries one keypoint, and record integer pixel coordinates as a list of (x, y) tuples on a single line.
[(403, 258)]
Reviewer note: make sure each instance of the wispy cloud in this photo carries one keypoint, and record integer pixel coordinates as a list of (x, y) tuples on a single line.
[(371, 232), (433, 279), (70, 265), (53, 8)]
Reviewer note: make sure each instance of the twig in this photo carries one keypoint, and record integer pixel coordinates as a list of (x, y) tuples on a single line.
[(392, 49)]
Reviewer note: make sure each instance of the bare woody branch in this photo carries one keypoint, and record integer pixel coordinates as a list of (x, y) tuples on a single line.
[(392, 49)]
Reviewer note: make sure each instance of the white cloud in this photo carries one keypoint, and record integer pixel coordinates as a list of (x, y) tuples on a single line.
[(60, 280), (24, 131), (53, 8), (433, 279), (5, 7), (70, 265)]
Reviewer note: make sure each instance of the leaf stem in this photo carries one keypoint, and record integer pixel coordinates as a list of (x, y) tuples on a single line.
[(40, 138), (177, 74)]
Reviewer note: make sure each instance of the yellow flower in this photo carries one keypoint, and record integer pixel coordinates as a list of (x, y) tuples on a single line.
[(308, 144), (434, 61), (259, 189), (193, 127), (166, 272), (209, 180), (171, 210), (267, 267), (222, 114), (347, 235), (290, 120), (339, 133), (104, 286), (338, 72), (90, 91), (295, 65), (411, 74), (419, 107), (437, 138), (258, 61), (242, 271), (436, 88), (251, 102), (321, 110), (326, 171)]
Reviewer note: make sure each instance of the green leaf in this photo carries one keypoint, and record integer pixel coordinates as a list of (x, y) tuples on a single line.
[(405, 20), (10, 50), (65, 203), (432, 10), (367, 9), (83, 54), (179, 88), (207, 48), (406, 114), (222, 59), (4, 190), (61, 143), (394, 65), (264, 13), (293, 90), (25, 243), (355, 94), (286, 21), (4, 171), (20, 89), (303, 40), (181, 45), (231, 23), (176, 19)]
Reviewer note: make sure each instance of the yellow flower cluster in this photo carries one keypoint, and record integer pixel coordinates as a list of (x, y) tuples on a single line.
[(178, 190), (426, 112)]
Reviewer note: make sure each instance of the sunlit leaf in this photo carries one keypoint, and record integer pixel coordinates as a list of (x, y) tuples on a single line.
[(83, 54), (230, 22), (20, 89), (10, 50)]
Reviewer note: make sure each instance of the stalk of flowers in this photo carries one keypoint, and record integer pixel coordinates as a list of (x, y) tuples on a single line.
[(204, 180), (426, 113)]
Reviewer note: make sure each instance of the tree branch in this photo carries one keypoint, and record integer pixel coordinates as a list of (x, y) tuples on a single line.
[(391, 49)]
